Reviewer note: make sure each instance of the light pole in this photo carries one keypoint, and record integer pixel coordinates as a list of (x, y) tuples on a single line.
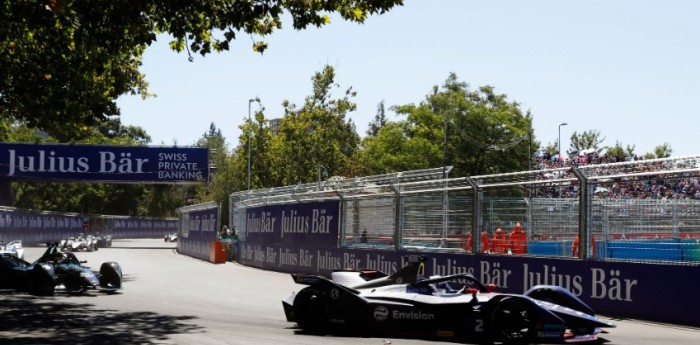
[(559, 153), (250, 101), (325, 174)]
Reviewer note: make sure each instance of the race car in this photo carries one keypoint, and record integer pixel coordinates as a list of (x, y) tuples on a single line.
[(80, 242), (455, 308), (13, 248), (57, 269), (103, 241), (171, 237)]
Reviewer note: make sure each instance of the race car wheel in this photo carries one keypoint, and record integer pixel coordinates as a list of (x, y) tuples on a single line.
[(513, 322), (311, 310), (42, 281)]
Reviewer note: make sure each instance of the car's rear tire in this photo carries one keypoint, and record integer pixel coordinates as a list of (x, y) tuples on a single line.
[(311, 310), (513, 322)]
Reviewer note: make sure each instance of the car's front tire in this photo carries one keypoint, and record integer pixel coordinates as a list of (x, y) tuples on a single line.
[(513, 321)]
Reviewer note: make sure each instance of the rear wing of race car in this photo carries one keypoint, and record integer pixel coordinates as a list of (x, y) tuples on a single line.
[(313, 279)]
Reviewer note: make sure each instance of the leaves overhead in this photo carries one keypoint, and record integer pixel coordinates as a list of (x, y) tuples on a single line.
[(65, 62)]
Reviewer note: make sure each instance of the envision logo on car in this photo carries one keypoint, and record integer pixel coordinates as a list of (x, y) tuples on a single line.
[(381, 313), (412, 315)]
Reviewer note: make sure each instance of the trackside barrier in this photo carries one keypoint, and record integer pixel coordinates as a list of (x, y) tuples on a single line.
[(197, 231), (218, 253), (674, 250), (677, 250), (39, 227)]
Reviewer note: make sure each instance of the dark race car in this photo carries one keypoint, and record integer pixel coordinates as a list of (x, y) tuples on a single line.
[(57, 269), (452, 308), (103, 241)]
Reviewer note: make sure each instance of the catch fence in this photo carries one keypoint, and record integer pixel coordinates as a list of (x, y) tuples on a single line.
[(646, 211)]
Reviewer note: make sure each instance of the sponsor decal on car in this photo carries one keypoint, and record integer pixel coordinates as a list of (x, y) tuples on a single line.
[(445, 334), (412, 315), (381, 313), (549, 334)]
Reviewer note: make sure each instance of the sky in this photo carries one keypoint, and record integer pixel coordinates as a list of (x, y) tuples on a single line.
[(628, 69)]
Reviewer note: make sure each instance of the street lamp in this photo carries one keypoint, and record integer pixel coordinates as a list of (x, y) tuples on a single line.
[(559, 153), (250, 121), (325, 174)]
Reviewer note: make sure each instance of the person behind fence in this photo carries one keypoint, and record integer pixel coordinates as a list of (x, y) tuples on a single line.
[(363, 237), (575, 245), (518, 240), (484, 242), (499, 243)]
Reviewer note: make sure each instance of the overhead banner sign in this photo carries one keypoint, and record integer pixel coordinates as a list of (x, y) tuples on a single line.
[(121, 164)]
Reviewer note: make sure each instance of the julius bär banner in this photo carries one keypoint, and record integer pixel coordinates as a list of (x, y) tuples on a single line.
[(199, 230), (123, 164), (313, 224)]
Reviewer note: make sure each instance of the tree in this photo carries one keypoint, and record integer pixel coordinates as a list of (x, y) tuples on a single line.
[(220, 184), (479, 132), (65, 62), (316, 135), (379, 120), (663, 151), (588, 140), (619, 153), (391, 150)]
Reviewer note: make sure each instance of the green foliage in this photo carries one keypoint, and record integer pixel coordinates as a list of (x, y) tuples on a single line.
[(588, 140), (391, 150), (65, 62), (479, 132), (220, 183), (379, 120), (620, 154), (663, 151), (315, 134)]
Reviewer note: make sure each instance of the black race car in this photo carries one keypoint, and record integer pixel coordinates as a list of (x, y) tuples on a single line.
[(57, 269), (454, 308), (103, 240)]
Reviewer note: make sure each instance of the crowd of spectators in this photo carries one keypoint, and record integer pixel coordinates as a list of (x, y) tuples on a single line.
[(639, 184)]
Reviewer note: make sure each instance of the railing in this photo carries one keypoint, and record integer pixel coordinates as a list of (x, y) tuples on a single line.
[(635, 211)]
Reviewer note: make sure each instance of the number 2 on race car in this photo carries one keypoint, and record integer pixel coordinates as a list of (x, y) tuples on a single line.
[(479, 326)]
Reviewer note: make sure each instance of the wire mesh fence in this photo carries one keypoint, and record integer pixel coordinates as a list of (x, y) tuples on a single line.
[(641, 211)]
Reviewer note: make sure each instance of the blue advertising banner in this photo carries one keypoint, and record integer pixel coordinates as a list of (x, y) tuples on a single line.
[(625, 289), (199, 232), (133, 227), (124, 164), (294, 225), (37, 228)]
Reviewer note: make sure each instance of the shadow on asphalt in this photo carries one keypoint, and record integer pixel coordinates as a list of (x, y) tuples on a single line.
[(47, 320)]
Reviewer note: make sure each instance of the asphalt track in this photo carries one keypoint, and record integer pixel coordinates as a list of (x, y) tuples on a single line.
[(174, 299)]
